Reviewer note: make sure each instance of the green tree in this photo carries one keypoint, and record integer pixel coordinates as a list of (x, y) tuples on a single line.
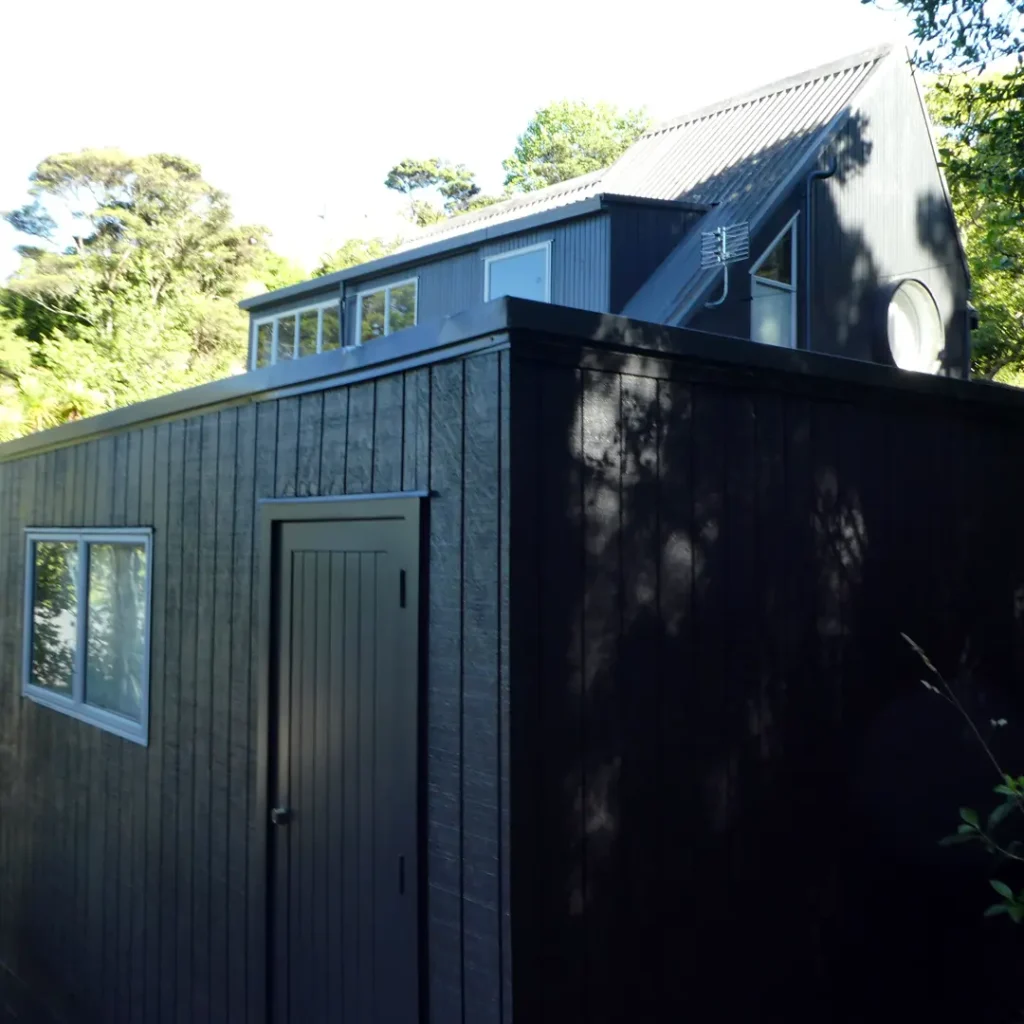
[(129, 288), (354, 252), (982, 173), (454, 183), (570, 138)]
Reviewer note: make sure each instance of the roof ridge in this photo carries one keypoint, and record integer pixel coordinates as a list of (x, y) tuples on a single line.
[(814, 74)]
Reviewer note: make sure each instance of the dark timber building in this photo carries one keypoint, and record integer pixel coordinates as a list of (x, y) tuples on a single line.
[(530, 663)]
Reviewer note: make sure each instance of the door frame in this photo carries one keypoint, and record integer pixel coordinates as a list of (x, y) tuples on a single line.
[(404, 506)]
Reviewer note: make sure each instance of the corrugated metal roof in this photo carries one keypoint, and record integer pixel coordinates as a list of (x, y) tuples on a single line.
[(730, 152), (738, 155), (554, 196)]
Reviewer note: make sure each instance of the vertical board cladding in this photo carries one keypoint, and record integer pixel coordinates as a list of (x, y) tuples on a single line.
[(717, 726), (882, 217), (640, 238), (132, 875), (580, 272)]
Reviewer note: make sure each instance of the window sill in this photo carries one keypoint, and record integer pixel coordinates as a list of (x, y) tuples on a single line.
[(105, 720)]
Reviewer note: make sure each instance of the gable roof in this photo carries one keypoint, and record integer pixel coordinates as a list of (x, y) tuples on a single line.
[(735, 156), (740, 156), (735, 148)]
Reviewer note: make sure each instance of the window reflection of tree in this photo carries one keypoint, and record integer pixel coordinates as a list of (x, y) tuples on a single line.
[(54, 614), (116, 628)]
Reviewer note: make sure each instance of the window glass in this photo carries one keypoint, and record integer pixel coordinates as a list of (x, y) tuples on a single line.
[(307, 332), (54, 615), (402, 302), (371, 316), (771, 314), (331, 330), (523, 275), (264, 344), (285, 337), (116, 628), (777, 265)]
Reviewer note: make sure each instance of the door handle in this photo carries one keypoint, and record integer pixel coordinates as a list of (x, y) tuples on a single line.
[(280, 815)]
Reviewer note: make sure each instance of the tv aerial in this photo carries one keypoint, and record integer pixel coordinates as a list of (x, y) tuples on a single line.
[(721, 248)]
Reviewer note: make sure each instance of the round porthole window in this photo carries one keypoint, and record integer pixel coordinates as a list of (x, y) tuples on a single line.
[(914, 328)]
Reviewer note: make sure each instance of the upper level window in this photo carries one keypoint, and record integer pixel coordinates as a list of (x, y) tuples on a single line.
[(383, 311), (299, 332), (87, 626), (523, 273), (773, 292)]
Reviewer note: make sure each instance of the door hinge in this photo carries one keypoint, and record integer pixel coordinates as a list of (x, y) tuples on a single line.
[(401, 589)]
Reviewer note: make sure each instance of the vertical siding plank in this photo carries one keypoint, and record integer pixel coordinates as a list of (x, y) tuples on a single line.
[(106, 750), (267, 453), (124, 761), (187, 748), (241, 730), (443, 727), (359, 457), (287, 446), (323, 766), (481, 800), (334, 442), (310, 429), (338, 976), (387, 435), (140, 513), (638, 678), (416, 431), (31, 482), (156, 451), (223, 569), (502, 585), (352, 968), (683, 527), (561, 948), (602, 740), (78, 784), (206, 621), (173, 1003)]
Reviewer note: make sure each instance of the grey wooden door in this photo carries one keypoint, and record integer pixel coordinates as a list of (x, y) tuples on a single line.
[(343, 786)]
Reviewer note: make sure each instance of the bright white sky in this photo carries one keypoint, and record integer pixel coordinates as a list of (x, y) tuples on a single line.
[(298, 108)]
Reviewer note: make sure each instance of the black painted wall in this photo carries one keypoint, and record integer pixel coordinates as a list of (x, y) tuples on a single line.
[(728, 783), (133, 876)]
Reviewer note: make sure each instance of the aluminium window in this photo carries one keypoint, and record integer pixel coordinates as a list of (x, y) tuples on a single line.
[(773, 291), (524, 273), (87, 622), (382, 311), (297, 333)]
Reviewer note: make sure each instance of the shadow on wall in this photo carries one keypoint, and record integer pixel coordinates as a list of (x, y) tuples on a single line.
[(738, 778)]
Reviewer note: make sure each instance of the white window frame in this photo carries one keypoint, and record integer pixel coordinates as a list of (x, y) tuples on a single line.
[(294, 314), (488, 260), (357, 329), (75, 705), (791, 225)]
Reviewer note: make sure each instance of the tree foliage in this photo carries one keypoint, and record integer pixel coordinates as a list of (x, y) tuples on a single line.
[(982, 172), (567, 139), (978, 110), (455, 184), (354, 252), (128, 290)]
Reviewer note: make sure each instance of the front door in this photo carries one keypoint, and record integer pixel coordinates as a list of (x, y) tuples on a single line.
[(343, 782)]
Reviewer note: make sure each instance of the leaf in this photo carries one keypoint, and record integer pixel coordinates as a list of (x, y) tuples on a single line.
[(1000, 814), (969, 837), (1016, 913), (1002, 888), (969, 815), (996, 909)]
